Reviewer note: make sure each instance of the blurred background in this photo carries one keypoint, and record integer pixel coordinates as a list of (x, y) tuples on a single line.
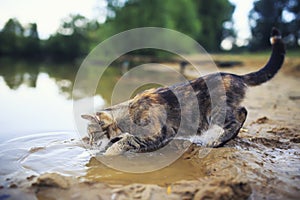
[(66, 30), (42, 44)]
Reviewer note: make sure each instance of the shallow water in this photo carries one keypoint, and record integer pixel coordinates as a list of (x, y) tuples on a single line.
[(38, 133), (39, 153), (64, 153), (37, 121)]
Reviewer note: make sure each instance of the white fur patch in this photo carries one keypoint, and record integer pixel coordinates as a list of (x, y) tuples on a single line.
[(274, 38), (209, 137), (113, 150), (100, 144)]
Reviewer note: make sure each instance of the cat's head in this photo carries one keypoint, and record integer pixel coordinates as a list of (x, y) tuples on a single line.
[(101, 126)]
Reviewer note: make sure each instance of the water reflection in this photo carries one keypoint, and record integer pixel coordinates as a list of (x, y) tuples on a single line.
[(16, 73), (37, 122), (33, 110), (37, 132), (36, 98)]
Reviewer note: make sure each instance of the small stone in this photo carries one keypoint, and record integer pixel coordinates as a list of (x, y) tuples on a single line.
[(262, 120), (52, 180), (13, 185)]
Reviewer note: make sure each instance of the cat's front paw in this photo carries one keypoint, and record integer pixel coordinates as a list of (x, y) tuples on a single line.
[(121, 144)]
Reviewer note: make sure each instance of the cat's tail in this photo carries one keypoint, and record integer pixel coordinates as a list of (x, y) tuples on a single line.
[(273, 65)]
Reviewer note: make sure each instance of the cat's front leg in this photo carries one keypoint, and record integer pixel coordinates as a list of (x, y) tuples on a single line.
[(128, 142), (121, 144)]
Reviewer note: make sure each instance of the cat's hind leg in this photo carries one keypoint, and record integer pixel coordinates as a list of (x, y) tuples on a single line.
[(233, 123)]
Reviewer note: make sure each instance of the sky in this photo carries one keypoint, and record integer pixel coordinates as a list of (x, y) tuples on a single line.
[(49, 13)]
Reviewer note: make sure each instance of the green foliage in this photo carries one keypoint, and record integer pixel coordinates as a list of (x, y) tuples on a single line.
[(213, 14), (11, 37), (179, 15), (31, 45), (283, 14), (200, 19), (72, 39), (76, 36), (18, 41)]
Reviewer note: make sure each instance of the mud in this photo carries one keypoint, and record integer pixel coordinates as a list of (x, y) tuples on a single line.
[(263, 162)]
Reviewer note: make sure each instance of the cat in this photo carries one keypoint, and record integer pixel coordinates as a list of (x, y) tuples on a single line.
[(152, 118)]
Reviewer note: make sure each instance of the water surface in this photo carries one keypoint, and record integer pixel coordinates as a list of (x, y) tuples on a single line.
[(38, 133)]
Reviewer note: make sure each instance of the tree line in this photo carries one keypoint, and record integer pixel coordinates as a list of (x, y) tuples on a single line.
[(202, 20), (71, 41)]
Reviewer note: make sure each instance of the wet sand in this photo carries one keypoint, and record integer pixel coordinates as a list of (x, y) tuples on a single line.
[(263, 162)]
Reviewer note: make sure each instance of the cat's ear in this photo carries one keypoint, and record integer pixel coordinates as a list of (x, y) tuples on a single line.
[(105, 117), (90, 118)]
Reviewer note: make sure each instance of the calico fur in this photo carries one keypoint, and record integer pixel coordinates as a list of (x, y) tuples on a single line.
[(152, 118)]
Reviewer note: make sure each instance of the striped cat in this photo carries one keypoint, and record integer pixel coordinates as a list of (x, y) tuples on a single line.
[(158, 110)]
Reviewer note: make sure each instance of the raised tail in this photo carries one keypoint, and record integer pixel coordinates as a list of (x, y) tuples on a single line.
[(273, 65)]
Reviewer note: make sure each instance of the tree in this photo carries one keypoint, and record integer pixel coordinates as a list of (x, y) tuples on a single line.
[(11, 38), (200, 19), (213, 14), (72, 39), (178, 15), (31, 46), (284, 14), (13, 27), (16, 40)]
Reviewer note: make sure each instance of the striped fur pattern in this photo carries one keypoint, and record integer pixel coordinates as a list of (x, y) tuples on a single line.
[(152, 118)]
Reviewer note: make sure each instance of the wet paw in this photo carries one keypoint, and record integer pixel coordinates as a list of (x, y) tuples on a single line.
[(121, 144), (211, 137)]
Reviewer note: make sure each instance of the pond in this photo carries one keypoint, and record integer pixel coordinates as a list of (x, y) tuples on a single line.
[(38, 133), (36, 98), (37, 114)]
